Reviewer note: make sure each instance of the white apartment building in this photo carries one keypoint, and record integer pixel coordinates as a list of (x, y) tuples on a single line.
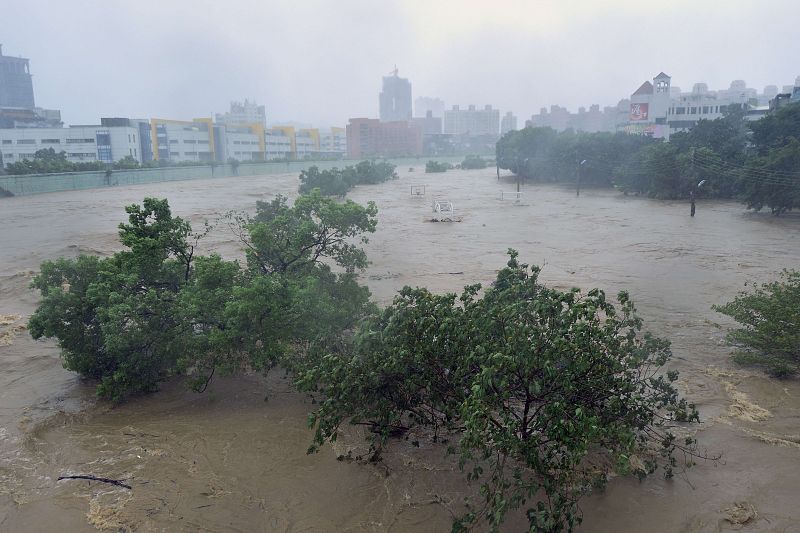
[(279, 144), (241, 143), (179, 140), (334, 141), (688, 108), (472, 121), (80, 143)]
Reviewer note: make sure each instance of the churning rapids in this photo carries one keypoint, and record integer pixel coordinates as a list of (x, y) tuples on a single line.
[(227, 460)]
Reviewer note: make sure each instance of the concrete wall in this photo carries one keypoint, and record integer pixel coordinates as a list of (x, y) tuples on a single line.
[(42, 183)]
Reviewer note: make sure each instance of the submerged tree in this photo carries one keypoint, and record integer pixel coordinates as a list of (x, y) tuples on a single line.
[(543, 391), (116, 319), (156, 309), (770, 319)]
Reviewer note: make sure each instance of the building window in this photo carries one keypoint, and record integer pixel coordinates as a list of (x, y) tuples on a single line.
[(692, 110), (77, 141), (26, 141), (51, 141), (7, 141)]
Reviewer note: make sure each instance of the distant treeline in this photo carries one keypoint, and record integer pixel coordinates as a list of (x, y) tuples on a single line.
[(757, 162), (337, 182)]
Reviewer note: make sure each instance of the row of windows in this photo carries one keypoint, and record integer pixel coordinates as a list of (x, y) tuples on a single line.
[(698, 110), (256, 143)]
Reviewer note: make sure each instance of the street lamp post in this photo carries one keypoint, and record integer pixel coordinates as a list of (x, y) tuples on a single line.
[(691, 197), (578, 186)]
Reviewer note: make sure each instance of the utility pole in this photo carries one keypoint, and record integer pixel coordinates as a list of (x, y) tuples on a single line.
[(694, 179), (578, 181)]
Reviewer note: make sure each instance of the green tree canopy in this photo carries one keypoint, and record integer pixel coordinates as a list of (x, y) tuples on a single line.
[(540, 392), (156, 309), (770, 319)]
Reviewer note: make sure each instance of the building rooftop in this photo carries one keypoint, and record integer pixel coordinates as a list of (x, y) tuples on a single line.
[(646, 88)]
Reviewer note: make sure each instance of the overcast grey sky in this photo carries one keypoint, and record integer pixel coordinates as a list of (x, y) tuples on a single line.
[(321, 61)]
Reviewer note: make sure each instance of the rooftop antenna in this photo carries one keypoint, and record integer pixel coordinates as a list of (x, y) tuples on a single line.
[(394, 72)]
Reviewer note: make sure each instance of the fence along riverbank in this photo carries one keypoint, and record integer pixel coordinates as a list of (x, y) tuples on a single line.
[(26, 184)]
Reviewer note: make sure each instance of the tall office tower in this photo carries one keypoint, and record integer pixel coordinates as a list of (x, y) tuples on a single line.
[(16, 85), (395, 98)]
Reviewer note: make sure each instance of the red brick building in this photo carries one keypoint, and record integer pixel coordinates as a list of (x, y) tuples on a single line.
[(369, 137)]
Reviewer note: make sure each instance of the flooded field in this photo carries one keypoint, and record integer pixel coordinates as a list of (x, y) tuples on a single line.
[(228, 460)]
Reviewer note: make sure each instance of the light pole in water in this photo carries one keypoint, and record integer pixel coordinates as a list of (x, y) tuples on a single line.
[(691, 197), (578, 187)]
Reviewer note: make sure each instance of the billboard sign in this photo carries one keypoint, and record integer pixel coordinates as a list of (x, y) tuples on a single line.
[(639, 112)]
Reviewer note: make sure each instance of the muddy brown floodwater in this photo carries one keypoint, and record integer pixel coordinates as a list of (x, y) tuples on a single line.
[(228, 460)]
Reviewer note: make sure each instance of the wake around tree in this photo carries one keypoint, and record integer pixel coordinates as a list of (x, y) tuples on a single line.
[(540, 393)]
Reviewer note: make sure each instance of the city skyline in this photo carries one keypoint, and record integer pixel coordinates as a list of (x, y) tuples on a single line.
[(440, 47)]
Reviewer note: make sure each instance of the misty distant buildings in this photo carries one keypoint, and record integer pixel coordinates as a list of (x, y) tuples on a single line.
[(16, 82), (395, 98), (241, 133), (659, 109), (429, 124), (472, 121), (508, 123), (369, 137), (246, 112), (17, 105), (424, 105)]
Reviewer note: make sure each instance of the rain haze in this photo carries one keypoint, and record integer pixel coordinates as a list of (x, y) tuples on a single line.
[(399, 266), (320, 62)]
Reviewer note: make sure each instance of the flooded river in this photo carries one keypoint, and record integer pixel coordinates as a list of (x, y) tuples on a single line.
[(228, 460)]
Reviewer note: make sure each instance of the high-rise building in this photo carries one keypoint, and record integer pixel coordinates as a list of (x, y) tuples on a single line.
[(16, 83), (425, 104), (509, 123), (395, 98)]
